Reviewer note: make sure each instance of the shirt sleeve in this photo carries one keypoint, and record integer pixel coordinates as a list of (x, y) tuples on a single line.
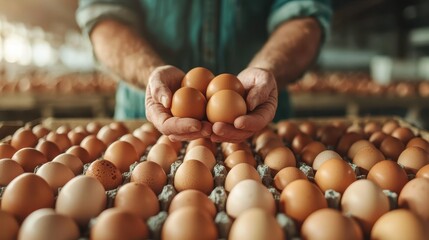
[(283, 10), (90, 12)]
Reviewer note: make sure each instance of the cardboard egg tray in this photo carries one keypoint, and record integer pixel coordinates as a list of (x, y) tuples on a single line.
[(219, 172)]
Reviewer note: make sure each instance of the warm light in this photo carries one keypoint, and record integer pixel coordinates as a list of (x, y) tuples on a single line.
[(17, 50), (1, 49), (43, 53)]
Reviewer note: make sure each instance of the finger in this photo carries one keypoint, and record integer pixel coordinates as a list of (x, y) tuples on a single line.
[(205, 132), (256, 96), (160, 91), (179, 126), (257, 119), (227, 132)]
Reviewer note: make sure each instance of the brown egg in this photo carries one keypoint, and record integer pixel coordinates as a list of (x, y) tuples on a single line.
[(198, 78), (71, 161), (389, 126), (286, 176), (119, 126), (115, 223), (309, 128), (185, 97), (6, 150), (323, 157), (9, 169), (189, 223), (388, 175), (415, 196), (94, 146), (25, 194), (355, 147), (310, 151), (377, 137), (82, 198), (356, 128), (225, 106), (23, 138), (224, 81), (79, 152), (193, 174), (346, 141), (202, 154), (148, 138), (192, 198), (40, 131), (108, 135), (366, 210), (279, 158), (55, 174), (367, 157), (80, 129), (413, 158), (403, 133), (176, 145), (29, 158), (63, 129), (239, 173), (414, 142), (423, 172), (48, 148), (256, 223), (397, 225), (204, 142), (287, 130), (300, 198), (93, 127), (76, 137), (151, 174), (106, 172), (47, 224), (9, 227), (328, 223), (334, 174), (249, 194), (329, 135), (122, 154), (150, 128), (260, 138), (239, 156), (137, 198), (138, 145), (300, 141), (371, 127), (271, 144), (61, 139), (162, 154)]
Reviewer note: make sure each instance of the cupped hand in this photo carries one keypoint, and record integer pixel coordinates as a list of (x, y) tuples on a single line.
[(163, 82), (261, 100)]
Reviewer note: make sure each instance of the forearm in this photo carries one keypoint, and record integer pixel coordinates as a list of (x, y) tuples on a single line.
[(290, 50), (118, 47)]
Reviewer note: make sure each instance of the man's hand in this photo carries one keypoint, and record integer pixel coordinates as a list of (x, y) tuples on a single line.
[(261, 103), (163, 82)]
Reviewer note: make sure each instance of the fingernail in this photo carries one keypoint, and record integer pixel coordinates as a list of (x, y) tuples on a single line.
[(193, 129), (240, 126), (164, 101)]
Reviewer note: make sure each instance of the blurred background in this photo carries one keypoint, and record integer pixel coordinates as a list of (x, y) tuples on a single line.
[(376, 62)]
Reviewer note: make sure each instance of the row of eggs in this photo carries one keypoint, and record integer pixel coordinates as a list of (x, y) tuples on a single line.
[(271, 153)]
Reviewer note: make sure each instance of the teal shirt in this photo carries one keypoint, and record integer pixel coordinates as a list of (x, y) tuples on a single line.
[(221, 35)]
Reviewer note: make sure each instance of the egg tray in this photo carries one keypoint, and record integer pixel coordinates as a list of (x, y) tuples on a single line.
[(219, 194)]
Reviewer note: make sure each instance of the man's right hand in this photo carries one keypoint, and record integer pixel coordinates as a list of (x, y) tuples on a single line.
[(163, 82)]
